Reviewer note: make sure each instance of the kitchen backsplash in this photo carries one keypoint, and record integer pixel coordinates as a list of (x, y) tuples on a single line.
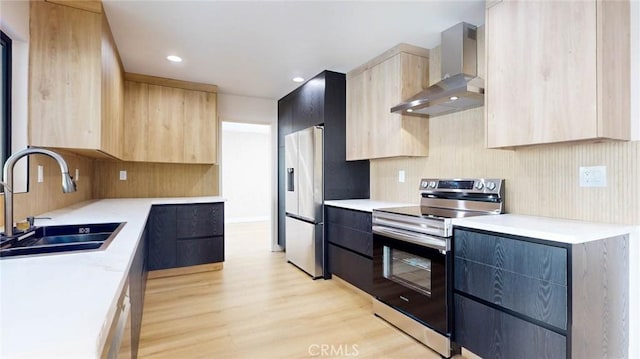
[(100, 179), (154, 180), (540, 180)]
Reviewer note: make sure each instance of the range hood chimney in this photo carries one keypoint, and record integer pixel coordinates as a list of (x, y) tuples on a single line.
[(460, 88)]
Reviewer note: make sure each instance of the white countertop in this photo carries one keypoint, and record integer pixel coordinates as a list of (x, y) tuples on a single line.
[(551, 229), (365, 205), (61, 306)]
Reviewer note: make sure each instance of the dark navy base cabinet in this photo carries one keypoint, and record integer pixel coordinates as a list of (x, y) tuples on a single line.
[(137, 284), (520, 297), (185, 235), (162, 237), (492, 333), (350, 246)]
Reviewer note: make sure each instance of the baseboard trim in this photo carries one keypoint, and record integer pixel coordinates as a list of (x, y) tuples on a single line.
[(172, 272), (352, 287)]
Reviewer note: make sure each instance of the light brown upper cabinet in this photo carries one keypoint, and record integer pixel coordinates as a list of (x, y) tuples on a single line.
[(557, 71), (372, 89), (169, 121), (76, 83)]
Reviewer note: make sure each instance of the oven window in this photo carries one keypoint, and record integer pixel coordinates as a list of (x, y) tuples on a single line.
[(407, 269)]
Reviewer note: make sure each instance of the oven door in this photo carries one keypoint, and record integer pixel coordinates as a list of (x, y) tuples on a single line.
[(412, 278)]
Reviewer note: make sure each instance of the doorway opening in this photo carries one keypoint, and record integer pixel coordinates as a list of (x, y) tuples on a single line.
[(247, 171)]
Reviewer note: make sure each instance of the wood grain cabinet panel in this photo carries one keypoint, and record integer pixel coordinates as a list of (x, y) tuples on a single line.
[(351, 267), (537, 299), (535, 260), (137, 285), (372, 89), (200, 128), (162, 237), (516, 295), (75, 81), (545, 88), (200, 220), (357, 220), (350, 244), (359, 124), (167, 121), (350, 229), (136, 110), (494, 334), (165, 131), (199, 251), (112, 121), (308, 109), (186, 235)]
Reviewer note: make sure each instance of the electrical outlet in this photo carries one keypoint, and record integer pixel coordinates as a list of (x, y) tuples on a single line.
[(123, 175), (77, 177), (401, 176), (594, 176), (40, 173)]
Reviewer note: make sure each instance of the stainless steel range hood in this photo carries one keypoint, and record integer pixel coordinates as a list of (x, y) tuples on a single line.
[(460, 88)]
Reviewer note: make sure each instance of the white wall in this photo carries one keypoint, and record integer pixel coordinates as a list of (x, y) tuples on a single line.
[(246, 168), (15, 23), (243, 109), (234, 108)]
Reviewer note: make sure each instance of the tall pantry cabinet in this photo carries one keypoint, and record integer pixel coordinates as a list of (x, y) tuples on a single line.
[(321, 101)]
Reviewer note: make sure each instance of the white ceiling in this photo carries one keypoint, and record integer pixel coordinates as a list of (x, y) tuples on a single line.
[(255, 48)]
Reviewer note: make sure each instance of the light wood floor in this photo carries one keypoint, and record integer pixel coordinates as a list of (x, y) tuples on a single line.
[(259, 306)]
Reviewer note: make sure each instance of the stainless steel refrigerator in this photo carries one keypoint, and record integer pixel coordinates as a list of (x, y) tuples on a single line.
[(303, 200)]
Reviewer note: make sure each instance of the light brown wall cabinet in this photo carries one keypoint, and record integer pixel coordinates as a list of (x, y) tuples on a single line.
[(169, 121), (556, 72), (75, 81), (372, 89)]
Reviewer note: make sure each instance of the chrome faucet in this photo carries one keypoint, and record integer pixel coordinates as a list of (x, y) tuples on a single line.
[(7, 180)]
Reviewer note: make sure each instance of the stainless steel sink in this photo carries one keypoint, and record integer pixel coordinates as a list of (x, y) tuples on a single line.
[(73, 238), (60, 239)]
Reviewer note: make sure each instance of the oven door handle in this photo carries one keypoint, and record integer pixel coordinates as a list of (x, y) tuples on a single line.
[(412, 237)]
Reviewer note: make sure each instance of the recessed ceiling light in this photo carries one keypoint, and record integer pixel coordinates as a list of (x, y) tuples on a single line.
[(298, 79), (174, 58), (453, 98), (409, 110)]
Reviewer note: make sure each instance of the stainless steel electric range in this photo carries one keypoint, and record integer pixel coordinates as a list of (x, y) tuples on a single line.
[(412, 256)]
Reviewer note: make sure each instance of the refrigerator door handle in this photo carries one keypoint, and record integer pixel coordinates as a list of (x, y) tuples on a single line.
[(290, 179)]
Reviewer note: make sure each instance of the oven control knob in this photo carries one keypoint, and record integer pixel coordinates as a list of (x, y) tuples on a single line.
[(479, 186), (425, 184), (491, 186), (432, 184)]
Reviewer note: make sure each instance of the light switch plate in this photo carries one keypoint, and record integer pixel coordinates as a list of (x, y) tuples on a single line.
[(401, 176), (77, 177), (40, 173), (594, 176), (123, 175)]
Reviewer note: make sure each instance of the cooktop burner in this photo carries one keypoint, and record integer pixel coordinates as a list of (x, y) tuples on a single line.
[(431, 212)]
